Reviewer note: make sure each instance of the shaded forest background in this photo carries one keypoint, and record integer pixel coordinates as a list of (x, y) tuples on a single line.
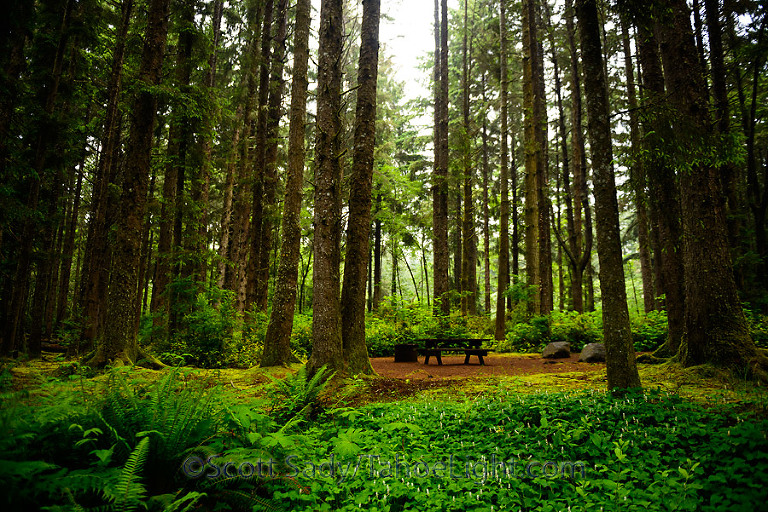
[(196, 179)]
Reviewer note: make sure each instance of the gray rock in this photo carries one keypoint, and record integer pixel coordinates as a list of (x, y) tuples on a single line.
[(557, 350), (592, 353)]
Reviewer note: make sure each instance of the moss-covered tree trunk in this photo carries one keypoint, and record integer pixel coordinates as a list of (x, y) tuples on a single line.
[(277, 349), (118, 341), (580, 237), (503, 275), (469, 242), (269, 179), (361, 183), (620, 353), (259, 162), (715, 327), (440, 174), (664, 189), (326, 316)]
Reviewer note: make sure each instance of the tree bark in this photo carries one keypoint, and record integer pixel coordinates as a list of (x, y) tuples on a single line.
[(440, 175), (486, 215), (119, 340), (169, 242), (469, 242), (361, 184), (503, 278), (259, 163), (620, 353), (664, 191), (580, 239), (326, 319), (277, 349), (269, 181), (202, 179), (715, 328)]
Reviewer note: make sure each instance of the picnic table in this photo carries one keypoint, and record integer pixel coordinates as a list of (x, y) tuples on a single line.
[(470, 347)]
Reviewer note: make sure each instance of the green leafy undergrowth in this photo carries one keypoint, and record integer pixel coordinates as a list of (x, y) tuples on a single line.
[(184, 444), (506, 451), (131, 446)]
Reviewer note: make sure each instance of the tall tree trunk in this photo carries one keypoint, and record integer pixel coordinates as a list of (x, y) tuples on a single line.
[(440, 175), (326, 318), (620, 353), (637, 177), (237, 250), (119, 340), (277, 349), (46, 182), (202, 180), (378, 292), (269, 181), (546, 289), (165, 296), (503, 280), (757, 195), (486, 215), (664, 187), (537, 244), (572, 246), (259, 162), (469, 242), (715, 328), (229, 188), (458, 238), (361, 183), (69, 245), (729, 171), (580, 238)]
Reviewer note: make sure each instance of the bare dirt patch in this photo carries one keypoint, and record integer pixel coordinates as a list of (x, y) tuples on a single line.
[(499, 365)]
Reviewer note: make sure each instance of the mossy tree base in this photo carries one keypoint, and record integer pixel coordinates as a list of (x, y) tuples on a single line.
[(126, 357)]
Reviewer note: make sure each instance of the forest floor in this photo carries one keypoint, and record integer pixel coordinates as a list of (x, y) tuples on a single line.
[(522, 373)]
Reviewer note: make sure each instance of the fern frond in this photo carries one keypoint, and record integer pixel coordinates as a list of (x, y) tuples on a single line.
[(187, 501), (129, 492)]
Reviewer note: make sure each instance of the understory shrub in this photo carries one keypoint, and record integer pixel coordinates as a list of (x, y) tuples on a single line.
[(758, 327), (206, 336), (578, 329), (397, 323), (382, 335), (301, 336), (649, 331)]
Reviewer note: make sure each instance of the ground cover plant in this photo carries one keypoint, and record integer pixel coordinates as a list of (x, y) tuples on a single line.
[(187, 440)]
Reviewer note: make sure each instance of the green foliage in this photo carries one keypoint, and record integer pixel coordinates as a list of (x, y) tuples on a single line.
[(643, 451), (758, 327), (295, 397), (301, 336), (6, 377), (523, 337), (207, 338), (577, 329), (382, 335), (650, 331)]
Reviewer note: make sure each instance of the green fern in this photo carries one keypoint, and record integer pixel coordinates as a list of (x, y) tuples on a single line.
[(293, 398), (129, 492)]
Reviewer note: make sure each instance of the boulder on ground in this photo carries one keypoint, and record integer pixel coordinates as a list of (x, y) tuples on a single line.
[(593, 353), (557, 350)]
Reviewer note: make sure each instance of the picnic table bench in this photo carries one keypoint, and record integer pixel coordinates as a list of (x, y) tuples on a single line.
[(470, 347)]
